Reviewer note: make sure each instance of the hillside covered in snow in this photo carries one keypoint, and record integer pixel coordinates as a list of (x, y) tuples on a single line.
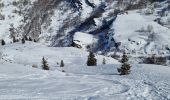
[(22, 77), (85, 50), (138, 26)]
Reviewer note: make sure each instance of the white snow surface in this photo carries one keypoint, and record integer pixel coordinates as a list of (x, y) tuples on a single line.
[(20, 81), (84, 39), (128, 31)]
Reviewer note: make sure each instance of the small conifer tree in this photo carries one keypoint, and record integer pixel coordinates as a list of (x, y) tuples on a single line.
[(23, 40), (91, 61), (124, 58), (35, 40), (17, 40), (30, 39), (2, 42), (26, 38), (104, 61), (125, 68), (45, 64), (62, 63), (14, 39), (63, 70)]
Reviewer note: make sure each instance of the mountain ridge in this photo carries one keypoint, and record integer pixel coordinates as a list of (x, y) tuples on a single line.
[(55, 22)]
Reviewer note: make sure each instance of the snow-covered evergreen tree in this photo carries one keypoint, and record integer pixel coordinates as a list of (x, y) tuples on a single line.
[(125, 68), (104, 61), (2, 42), (45, 64), (91, 61), (62, 63)]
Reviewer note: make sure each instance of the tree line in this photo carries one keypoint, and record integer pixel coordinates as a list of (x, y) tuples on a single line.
[(92, 61)]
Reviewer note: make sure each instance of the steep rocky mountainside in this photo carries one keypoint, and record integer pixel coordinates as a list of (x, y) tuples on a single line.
[(138, 26)]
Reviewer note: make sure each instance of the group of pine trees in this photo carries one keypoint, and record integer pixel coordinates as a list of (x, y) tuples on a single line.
[(45, 65), (123, 70), (91, 61), (25, 38), (14, 40)]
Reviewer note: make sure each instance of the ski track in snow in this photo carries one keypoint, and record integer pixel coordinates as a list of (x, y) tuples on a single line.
[(71, 86), (50, 86)]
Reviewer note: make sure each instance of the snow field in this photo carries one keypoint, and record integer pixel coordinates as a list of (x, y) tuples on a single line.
[(19, 81)]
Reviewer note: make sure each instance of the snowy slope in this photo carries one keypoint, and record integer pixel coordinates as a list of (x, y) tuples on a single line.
[(96, 24), (131, 31), (80, 82), (21, 54), (57, 24)]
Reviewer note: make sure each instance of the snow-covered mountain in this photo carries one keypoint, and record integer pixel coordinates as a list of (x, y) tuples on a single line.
[(138, 26)]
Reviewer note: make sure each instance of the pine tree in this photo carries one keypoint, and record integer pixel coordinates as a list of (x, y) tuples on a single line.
[(62, 63), (92, 61), (26, 38), (104, 61), (17, 40), (14, 39), (124, 58), (63, 70), (2, 42), (35, 40), (125, 68), (23, 40), (45, 64), (30, 39)]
